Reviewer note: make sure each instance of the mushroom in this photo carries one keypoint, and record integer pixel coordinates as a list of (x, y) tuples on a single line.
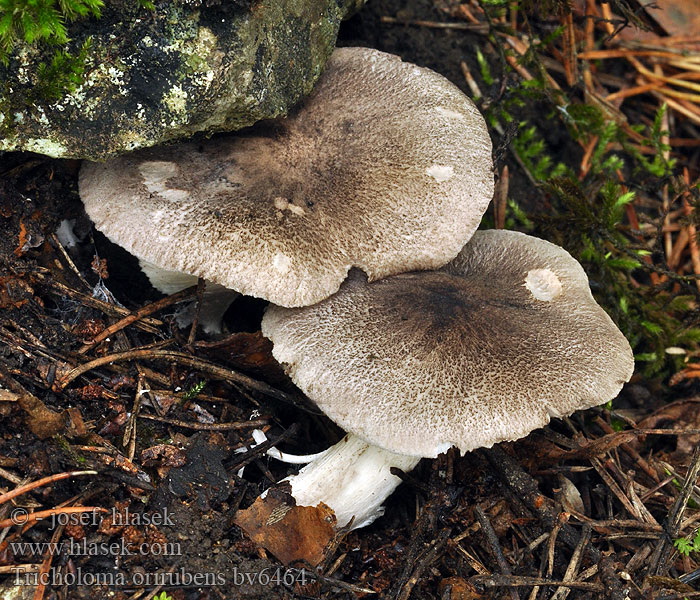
[(486, 349), (386, 167)]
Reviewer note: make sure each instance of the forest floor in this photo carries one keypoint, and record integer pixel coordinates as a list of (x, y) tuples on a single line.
[(594, 113)]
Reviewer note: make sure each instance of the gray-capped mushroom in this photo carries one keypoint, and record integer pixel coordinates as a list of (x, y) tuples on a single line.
[(486, 349), (386, 167)]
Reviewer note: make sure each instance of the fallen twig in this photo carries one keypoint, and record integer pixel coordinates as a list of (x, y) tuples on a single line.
[(494, 546), (28, 487), (205, 426), (182, 359), (516, 581), (149, 309), (436, 24), (659, 562)]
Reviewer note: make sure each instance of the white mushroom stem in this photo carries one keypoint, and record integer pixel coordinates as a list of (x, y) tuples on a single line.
[(215, 300), (353, 478)]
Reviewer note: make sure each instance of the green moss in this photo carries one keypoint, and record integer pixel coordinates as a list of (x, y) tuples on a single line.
[(40, 21), (29, 26), (63, 74), (192, 393)]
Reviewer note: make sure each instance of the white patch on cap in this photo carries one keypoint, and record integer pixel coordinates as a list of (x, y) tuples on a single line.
[(440, 173), (284, 204), (156, 174), (174, 195), (448, 112), (543, 284), (281, 262)]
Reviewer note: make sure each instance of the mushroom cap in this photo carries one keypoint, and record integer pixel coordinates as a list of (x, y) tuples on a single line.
[(386, 167), (485, 349)]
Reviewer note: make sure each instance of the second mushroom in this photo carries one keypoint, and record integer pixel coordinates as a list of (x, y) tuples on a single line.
[(486, 349)]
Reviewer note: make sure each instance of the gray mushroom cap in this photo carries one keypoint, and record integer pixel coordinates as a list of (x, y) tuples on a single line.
[(486, 349), (386, 167)]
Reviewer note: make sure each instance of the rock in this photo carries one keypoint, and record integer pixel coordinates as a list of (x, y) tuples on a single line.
[(151, 76)]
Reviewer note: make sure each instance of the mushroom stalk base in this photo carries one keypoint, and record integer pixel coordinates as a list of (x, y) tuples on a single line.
[(353, 478)]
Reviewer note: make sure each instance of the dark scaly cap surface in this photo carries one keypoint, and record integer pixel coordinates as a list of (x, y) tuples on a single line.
[(486, 349), (386, 167)]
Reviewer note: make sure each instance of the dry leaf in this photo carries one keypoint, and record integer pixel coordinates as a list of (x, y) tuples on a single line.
[(457, 588), (248, 351), (41, 420), (14, 292), (291, 533)]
